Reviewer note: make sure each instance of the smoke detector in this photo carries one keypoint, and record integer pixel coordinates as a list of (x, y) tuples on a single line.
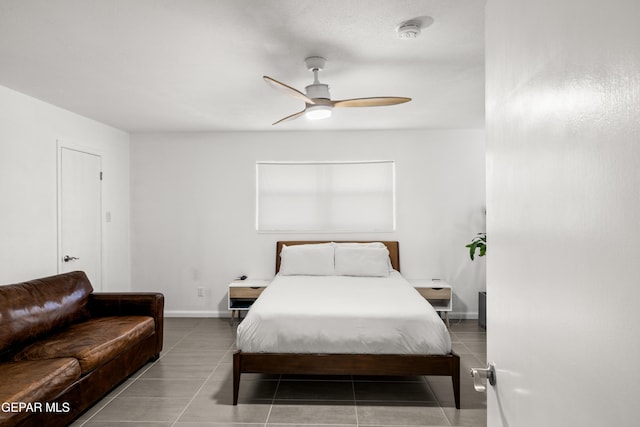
[(411, 29), (408, 30)]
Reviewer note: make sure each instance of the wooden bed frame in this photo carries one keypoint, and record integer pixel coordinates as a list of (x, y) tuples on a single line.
[(346, 364)]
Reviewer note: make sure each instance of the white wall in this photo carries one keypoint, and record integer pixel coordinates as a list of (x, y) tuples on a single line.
[(29, 129), (563, 179), (193, 201)]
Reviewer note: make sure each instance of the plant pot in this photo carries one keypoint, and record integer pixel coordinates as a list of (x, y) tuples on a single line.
[(482, 309)]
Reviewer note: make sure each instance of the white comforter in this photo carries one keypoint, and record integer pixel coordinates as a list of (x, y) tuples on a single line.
[(342, 314)]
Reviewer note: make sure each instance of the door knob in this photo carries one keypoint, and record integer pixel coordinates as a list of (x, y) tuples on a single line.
[(68, 258), (478, 374)]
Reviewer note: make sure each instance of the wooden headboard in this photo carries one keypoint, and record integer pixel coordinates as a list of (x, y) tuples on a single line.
[(394, 252)]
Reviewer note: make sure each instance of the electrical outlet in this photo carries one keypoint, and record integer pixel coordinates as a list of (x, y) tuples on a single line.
[(200, 291)]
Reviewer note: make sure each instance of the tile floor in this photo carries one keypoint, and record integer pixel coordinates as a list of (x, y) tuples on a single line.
[(190, 385)]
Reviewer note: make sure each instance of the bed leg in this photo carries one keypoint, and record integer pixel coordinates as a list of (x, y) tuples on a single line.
[(455, 378), (236, 377)]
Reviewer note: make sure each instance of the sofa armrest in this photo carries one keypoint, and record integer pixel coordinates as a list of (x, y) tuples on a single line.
[(130, 304)]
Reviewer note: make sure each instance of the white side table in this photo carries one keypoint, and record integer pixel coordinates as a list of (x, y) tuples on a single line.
[(438, 292), (243, 293)]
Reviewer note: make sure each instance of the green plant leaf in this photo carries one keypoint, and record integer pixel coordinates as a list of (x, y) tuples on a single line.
[(472, 249), (478, 242)]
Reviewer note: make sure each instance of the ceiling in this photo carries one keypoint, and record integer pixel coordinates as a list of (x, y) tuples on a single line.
[(197, 65)]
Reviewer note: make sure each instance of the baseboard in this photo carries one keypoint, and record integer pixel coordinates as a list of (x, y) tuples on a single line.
[(223, 314), (458, 315)]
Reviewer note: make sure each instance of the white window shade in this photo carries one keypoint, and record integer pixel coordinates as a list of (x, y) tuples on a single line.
[(325, 196)]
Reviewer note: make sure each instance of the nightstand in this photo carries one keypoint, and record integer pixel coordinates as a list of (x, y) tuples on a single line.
[(438, 293), (243, 293)]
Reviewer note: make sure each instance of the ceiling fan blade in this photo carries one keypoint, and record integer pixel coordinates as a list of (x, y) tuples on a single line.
[(377, 101), (291, 117), (287, 90)]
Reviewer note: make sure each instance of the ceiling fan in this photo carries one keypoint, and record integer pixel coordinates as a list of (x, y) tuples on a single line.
[(318, 103)]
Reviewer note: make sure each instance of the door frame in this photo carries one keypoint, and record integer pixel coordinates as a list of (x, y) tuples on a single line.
[(70, 145)]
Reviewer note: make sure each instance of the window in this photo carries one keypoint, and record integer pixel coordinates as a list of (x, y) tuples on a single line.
[(325, 196)]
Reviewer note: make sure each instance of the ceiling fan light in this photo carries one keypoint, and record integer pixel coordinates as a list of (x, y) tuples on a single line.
[(317, 112)]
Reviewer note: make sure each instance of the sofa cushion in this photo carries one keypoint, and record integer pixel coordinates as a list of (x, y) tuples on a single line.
[(93, 342), (31, 309), (33, 381)]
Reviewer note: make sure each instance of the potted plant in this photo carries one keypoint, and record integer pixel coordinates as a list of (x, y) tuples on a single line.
[(479, 242)]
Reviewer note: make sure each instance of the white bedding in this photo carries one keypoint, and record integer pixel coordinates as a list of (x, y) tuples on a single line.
[(342, 314)]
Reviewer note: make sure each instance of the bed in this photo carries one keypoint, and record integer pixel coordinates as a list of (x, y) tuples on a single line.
[(336, 322)]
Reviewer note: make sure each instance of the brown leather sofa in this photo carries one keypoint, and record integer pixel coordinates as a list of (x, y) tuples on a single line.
[(63, 347)]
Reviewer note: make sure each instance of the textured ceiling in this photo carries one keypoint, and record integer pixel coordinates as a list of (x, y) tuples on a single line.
[(197, 65)]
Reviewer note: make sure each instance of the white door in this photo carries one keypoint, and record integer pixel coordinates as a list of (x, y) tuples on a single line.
[(80, 235), (563, 202)]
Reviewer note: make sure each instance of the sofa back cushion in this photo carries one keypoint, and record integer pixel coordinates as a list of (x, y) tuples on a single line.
[(31, 309)]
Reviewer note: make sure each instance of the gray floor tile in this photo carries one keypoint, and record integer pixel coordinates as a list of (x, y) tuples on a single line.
[(310, 425), (400, 415), (466, 326), (221, 392), (140, 409), (163, 387), (394, 392), (459, 348), (315, 390), (191, 386), (382, 378), (95, 409), (467, 418), (476, 346), (125, 424), (470, 336), (301, 413), (214, 424), (177, 370), (205, 409)]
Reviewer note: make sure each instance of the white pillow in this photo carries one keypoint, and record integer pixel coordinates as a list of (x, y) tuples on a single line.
[(365, 245), (310, 260), (362, 261), (360, 244)]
